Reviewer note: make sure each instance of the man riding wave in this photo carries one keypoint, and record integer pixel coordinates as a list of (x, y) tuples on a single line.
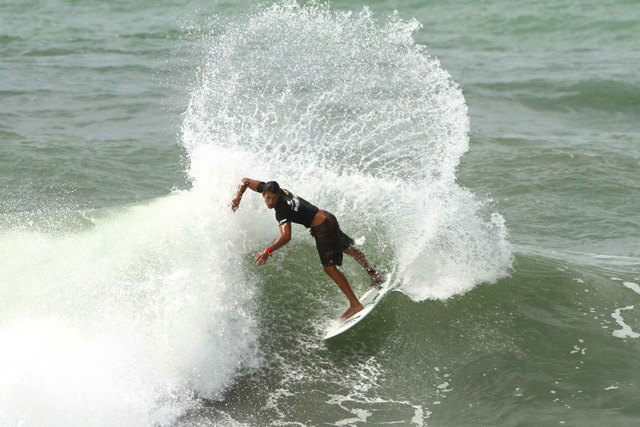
[(331, 242)]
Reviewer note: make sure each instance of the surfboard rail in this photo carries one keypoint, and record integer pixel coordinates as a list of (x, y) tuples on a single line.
[(369, 299)]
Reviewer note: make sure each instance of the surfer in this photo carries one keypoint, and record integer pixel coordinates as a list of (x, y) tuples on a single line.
[(331, 242)]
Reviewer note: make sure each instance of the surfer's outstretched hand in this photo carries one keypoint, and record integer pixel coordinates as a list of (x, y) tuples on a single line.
[(235, 204), (261, 258)]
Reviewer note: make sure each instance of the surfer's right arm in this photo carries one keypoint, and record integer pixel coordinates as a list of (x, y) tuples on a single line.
[(244, 184)]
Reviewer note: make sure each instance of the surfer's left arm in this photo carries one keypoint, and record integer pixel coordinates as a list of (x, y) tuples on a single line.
[(285, 237)]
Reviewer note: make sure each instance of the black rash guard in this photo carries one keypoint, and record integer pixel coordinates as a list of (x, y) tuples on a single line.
[(291, 208)]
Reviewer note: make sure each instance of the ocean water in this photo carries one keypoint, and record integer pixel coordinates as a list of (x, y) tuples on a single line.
[(485, 154)]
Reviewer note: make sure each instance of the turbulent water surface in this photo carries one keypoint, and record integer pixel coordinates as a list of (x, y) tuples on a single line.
[(484, 154)]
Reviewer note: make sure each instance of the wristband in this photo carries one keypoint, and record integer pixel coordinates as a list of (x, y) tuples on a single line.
[(269, 251)]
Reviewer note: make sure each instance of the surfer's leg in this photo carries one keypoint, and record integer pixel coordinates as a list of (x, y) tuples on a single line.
[(357, 254), (343, 284)]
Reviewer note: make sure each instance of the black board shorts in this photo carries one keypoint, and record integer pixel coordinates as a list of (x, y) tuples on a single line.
[(330, 241)]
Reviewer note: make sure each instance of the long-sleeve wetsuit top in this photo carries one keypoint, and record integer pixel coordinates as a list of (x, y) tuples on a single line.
[(291, 208)]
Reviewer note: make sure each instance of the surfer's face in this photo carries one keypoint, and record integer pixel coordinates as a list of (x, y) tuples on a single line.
[(270, 199)]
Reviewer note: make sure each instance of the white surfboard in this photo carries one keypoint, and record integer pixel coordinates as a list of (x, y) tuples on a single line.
[(370, 299)]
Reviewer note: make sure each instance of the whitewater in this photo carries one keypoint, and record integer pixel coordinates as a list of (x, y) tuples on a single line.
[(134, 317)]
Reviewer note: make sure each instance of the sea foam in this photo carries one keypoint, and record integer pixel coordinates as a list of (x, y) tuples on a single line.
[(130, 323)]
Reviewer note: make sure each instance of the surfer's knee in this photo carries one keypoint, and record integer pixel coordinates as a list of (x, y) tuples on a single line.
[(330, 269)]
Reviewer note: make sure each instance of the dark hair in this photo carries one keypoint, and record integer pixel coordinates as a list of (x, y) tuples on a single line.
[(271, 187)]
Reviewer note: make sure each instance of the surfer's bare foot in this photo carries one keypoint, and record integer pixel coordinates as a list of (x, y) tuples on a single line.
[(377, 278), (351, 311)]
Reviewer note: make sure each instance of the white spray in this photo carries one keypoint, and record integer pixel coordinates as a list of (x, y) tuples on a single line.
[(130, 322)]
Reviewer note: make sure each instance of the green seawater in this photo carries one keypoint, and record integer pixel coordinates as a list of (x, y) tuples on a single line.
[(484, 153)]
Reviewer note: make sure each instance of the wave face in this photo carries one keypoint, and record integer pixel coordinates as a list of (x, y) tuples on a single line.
[(348, 112)]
